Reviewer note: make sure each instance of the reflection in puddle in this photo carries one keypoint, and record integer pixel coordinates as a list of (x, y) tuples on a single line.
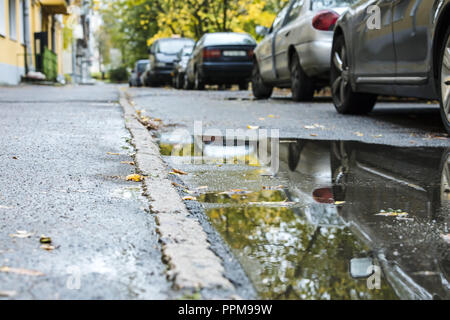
[(352, 200)]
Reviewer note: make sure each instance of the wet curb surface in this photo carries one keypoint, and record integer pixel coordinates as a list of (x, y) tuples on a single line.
[(188, 251)]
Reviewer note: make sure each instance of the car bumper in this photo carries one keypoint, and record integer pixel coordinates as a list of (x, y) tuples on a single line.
[(226, 72), (161, 74), (315, 57)]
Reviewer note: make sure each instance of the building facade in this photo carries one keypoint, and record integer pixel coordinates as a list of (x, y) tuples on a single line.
[(31, 38)]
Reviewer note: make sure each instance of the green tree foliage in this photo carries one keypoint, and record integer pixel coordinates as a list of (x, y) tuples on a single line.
[(135, 24)]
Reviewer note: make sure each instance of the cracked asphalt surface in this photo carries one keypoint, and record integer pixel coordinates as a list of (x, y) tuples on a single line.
[(391, 123), (58, 179)]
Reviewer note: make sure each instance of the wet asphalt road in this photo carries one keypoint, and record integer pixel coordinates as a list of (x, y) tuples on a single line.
[(58, 179), (399, 123)]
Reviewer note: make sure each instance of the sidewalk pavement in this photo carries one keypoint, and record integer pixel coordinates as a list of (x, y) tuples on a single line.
[(64, 156)]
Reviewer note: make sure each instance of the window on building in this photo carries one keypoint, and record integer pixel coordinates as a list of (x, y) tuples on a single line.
[(12, 20), (2, 19)]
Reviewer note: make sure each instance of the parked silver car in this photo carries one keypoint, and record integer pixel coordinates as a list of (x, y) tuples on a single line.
[(296, 50), (407, 54)]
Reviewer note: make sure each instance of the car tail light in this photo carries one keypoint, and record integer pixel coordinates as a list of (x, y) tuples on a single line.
[(325, 20), (211, 53), (250, 53)]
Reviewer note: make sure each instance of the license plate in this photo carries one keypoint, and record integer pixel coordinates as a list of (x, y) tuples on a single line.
[(234, 53)]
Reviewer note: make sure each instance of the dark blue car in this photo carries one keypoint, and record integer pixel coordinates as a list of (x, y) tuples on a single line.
[(222, 58)]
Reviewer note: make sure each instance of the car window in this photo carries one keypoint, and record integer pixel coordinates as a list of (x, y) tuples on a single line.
[(214, 39), (277, 23), (325, 4), (172, 46), (294, 11)]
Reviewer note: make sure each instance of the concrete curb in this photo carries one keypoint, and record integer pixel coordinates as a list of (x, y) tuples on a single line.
[(191, 263)]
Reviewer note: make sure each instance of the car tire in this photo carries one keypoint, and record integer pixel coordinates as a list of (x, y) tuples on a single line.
[(198, 82), (243, 86), (259, 88), (444, 81), (302, 86), (345, 100), (187, 85)]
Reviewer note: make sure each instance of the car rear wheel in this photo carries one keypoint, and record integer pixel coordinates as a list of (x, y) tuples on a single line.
[(301, 85), (259, 88), (198, 84), (345, 100), (444, 80)]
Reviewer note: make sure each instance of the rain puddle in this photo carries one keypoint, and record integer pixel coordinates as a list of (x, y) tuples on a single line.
[(335, 220)]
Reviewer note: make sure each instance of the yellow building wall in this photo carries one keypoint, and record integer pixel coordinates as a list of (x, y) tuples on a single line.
[(12, 51)]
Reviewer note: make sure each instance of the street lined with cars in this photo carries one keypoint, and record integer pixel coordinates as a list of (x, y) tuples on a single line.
[(316, 44)]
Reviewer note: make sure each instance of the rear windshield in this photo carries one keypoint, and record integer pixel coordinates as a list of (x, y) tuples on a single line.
[(173, 46), (228, 38), (324, 4)]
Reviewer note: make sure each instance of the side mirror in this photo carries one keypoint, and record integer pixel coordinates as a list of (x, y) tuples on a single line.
[(261, 30)]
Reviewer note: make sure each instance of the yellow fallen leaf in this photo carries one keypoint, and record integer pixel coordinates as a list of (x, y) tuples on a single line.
[(377, 136), (134, 177), (252, 127), (45, 239), (189, 198), (339, 202), (392, 213), (25, 272), (178, 171), (359, 134), (313, 135), (21, 234), (127, 162), (113, 153), (47, 247)]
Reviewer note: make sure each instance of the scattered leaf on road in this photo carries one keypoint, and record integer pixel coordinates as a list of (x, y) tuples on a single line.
[(15, 158), (339, 202), (21, 234), (189, 198), (359, 134), (177, 185), (392, 213), (202, 187), (273, 187), (131, 163), (446, 237), (178, 171), (134, 177), (313, 134), (7, 293), (113, 153), (252, 127), (377, 136), (47, 247), (5, 207), (25, 272), (45, 239)]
